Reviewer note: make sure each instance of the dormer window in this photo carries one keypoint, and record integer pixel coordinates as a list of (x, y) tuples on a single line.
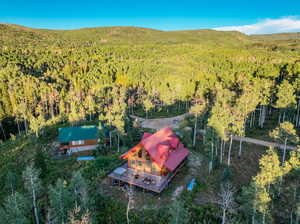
[(147, 156), (140, 154)]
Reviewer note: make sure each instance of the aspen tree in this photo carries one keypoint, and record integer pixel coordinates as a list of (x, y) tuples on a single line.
[(33, 186)]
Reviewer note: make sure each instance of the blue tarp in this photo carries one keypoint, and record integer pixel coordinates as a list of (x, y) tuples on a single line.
[(85, 158), (191, 184)]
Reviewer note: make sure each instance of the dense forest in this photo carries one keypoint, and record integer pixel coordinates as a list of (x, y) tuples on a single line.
[(230, 83)]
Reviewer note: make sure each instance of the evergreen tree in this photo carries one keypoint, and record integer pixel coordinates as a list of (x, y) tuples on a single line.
[(33, 187), (178, 213), (16, 210), (60, 201)]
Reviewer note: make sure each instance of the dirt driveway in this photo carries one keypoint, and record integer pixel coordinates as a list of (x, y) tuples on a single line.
[(158, 123)]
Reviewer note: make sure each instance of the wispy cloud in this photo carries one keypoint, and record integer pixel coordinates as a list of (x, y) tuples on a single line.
[(267, 26)]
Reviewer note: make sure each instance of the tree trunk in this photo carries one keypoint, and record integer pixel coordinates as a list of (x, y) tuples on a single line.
[(260, 117), (34, 203), (18, 125), (118, 141), (224, 216), (283, 119), (1, 126), (284, 151), (221, 152), (279, 117), (129, 203), (210, 164), (110, 140), (229, 151), (127, 212), (52, 110), (263, 116), (195, 131), (216, 147), (253, 207), (26, 126), (212, 151), (297, 116), (240, 150)]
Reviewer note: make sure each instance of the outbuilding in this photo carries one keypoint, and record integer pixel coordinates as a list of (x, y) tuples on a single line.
[(78, 138)]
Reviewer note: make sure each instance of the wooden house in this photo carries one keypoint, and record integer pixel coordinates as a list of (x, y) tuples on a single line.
[(79, 138), (153, 162)]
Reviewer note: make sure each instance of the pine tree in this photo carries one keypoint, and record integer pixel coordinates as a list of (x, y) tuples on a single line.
[(16, 210), (178, 213)]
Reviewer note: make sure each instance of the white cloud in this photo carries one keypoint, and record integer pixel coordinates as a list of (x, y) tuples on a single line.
[(267, 26)]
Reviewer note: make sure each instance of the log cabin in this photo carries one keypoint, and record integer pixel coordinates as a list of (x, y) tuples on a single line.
[(79, 138), (153, 162)]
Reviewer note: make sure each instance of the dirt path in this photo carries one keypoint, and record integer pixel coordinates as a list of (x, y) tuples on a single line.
[(174, 121), (159, 123), (260, 142)]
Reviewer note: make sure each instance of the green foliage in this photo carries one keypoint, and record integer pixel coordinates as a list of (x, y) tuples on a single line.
[(204, 214), (49, 78), (178, 213), (16, 210), (79, 191), (60, 201), (285, 95), (98, 168), (284, 131)]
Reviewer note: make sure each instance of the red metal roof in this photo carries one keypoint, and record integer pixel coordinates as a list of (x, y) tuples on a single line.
[(163, 147)]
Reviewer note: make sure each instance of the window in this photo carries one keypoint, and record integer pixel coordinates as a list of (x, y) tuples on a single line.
[(132, 163), (79, 142), (147, 156), (140, 153), (153, 168)]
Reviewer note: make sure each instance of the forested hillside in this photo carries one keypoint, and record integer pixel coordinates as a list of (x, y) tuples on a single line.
[(231, 83)]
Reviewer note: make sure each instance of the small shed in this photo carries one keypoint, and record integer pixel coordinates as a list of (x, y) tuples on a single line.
[(78, 138)]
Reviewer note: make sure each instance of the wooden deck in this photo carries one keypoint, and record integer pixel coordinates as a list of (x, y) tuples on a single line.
[(158, 183)]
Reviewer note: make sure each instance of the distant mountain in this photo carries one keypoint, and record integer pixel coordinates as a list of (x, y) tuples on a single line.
[(278, 36), (119, 35), (15, 35)]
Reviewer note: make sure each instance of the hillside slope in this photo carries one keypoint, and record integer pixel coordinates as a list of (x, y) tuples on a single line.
[(14, 34)]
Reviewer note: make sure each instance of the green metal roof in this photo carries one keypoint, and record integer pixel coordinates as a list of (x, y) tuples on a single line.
[(77, 133)]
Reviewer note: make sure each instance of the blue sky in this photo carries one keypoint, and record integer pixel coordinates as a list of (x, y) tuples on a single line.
[(256, 16)]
